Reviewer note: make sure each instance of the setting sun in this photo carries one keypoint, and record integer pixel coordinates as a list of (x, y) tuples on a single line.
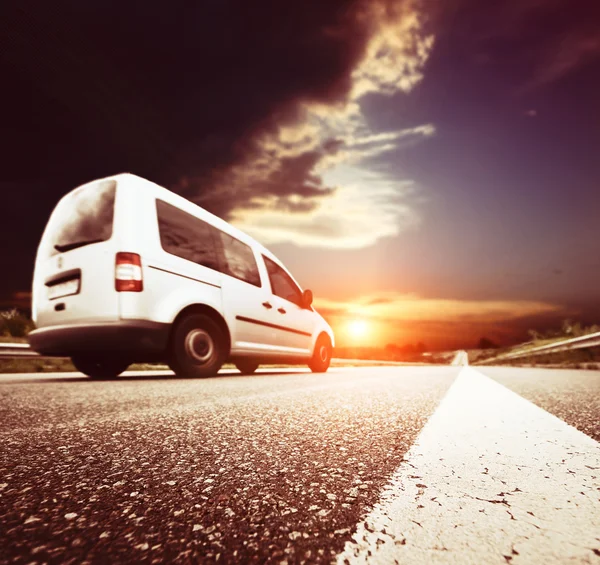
[(358, 328)]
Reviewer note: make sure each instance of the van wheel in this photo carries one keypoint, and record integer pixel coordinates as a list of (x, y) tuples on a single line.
[(246, 367), (101, 369), (321, 356), (196, 348)]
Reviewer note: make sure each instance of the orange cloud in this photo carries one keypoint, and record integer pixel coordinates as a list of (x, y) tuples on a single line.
[(396, 53), (411, 307), (308, 181), (394, 317)]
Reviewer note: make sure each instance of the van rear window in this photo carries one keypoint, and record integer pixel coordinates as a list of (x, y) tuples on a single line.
[(82, 218)]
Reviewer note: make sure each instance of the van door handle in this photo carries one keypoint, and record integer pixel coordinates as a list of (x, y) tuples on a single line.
[(267, 305), (281, 310)]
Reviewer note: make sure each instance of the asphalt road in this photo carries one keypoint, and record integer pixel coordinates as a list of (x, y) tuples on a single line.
[(572, 396), (277, 467), (244, 469)]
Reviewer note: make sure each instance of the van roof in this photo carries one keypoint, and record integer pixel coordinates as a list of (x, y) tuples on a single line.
[(220, 222)]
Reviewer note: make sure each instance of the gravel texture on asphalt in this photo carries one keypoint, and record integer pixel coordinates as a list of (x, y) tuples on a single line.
[(270, 468), (571, 395)]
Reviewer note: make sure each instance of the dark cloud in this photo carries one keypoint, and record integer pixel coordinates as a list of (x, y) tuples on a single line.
[(538, 41), (292, 176), (573, 48), (179, 95), (111, 87)]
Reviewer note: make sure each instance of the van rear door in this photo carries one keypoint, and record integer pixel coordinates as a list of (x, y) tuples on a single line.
[(74, 277)]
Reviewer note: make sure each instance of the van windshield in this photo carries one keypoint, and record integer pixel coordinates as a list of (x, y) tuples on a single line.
[(82, 218)]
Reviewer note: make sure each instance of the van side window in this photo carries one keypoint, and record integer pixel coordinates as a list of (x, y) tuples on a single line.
[(239, 260), (186, 236), (191, 238), (282, 284)]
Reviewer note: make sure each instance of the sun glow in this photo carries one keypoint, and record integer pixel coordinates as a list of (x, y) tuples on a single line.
[(358, 328)]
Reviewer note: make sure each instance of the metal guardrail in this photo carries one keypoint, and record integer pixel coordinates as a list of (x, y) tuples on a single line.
[(23, 351), (582, 342), (17, 351)]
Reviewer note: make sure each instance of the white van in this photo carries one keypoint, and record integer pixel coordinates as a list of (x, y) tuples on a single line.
[(128, 271)]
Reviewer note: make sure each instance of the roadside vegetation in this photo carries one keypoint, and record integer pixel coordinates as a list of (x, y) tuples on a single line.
[(14, 326), (569, 329), (35, 365)]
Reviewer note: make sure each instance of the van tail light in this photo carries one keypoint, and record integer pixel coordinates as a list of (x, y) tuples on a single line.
[(128, 273)]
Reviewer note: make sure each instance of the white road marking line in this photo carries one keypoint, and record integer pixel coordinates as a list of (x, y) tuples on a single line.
[(461, 358), (492, 478)]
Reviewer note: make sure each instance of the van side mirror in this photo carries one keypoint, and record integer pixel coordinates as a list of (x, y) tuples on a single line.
[(307, 298)]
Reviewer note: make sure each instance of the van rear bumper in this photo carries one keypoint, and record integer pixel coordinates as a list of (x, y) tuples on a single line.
[(139, 338)]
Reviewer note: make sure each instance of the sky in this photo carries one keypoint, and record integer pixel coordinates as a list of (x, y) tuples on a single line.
[(430, 168)]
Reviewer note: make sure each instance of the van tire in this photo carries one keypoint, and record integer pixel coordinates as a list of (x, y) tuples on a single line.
[(197, 347), (101, 369), (246, 367), (321, 358)]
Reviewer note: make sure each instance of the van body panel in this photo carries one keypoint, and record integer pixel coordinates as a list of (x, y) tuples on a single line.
[(170, 282), (141, 340), (300, 325), (170, 294), (249, 321)]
